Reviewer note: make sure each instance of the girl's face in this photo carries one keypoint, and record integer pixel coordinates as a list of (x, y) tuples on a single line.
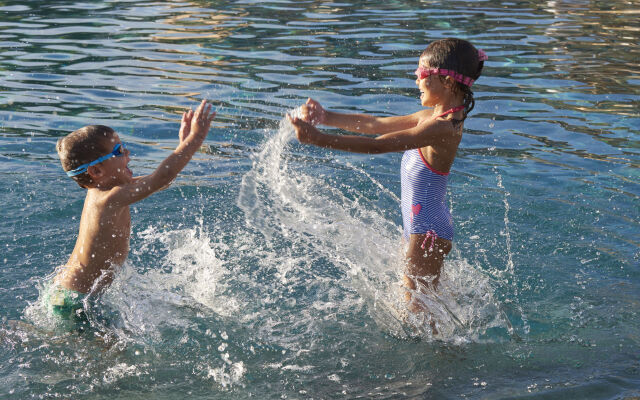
[(433, 90)]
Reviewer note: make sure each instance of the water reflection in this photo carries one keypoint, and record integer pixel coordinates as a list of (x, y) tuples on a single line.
[(544, 189), (596, 43)]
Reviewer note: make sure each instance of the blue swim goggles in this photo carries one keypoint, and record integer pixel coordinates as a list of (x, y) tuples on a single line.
[(118, 151)]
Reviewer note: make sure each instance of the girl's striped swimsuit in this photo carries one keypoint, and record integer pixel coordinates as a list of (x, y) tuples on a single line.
[(424, 198)]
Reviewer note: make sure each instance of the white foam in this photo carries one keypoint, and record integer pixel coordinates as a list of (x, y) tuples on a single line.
[(295, 220), (350, 231), (190, 279)]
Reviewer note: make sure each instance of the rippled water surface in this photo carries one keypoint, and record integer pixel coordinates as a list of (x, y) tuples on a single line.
[(271, 269)]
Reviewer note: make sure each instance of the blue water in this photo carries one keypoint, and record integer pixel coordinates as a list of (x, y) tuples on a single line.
[(271, 269)]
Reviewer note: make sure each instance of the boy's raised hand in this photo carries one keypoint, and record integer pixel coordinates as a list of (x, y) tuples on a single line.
[(201, 120), (312, 112), (185, 125), (193, 130)]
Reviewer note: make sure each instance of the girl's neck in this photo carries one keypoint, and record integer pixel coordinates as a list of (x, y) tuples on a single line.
[(447, 104), (443, 108)]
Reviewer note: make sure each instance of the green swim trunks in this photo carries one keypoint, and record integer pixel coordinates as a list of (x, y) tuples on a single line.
[(66, 304)]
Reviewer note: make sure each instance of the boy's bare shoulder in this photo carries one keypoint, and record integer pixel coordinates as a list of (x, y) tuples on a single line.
[(104, 197)]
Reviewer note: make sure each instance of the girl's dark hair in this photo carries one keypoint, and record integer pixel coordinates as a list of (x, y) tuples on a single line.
[(83, 146), (458, 55)]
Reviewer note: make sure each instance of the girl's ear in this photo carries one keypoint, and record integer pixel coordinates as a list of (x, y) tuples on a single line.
[(448, 82)]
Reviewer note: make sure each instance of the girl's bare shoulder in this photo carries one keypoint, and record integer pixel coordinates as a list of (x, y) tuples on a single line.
[(423, 116)]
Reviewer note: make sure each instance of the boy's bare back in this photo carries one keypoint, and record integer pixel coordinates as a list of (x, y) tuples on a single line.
[(102, 244)]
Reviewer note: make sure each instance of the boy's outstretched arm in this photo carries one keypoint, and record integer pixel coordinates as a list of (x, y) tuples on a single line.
[(193, 130)]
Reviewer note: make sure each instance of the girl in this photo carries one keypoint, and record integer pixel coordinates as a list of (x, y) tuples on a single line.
[(429, 138)]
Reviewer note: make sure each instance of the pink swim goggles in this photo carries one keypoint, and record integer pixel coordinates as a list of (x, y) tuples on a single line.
[(422, 72)]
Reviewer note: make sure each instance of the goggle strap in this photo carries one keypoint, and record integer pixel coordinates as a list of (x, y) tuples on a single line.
[(422, 73), (84, 167)]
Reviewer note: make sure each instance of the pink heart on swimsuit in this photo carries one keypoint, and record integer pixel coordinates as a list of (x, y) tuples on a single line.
[(415, 209)]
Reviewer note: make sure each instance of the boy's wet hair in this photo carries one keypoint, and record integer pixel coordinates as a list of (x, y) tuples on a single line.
[(83, 146), (458, 55)]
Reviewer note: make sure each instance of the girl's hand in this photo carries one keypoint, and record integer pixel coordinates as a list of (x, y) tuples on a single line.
[(185, 125), (306, 132), (313, 113)]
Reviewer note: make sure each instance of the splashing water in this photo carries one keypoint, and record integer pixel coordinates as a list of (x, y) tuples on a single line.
[(146, 316), (510, 267), (190, 277), (311, 256), (344, 228)]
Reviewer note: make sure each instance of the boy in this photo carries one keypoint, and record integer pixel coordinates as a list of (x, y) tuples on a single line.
[(97, 160)]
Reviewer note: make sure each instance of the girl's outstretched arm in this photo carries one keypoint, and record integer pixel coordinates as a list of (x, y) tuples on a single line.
[(314, 113), (429, 133)]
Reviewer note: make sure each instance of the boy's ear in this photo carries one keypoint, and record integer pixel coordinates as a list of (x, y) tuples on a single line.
[(95, 172)]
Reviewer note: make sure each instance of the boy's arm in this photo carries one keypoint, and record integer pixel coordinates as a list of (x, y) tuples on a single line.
[(185, 128), (190, 141), (312, 112), (427, 134), (137, 178)]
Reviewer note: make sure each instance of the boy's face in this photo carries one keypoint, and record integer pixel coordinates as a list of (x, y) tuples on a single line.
[(115, 169)]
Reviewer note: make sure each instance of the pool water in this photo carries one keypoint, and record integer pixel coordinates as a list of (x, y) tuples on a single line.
[(271, 269)]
